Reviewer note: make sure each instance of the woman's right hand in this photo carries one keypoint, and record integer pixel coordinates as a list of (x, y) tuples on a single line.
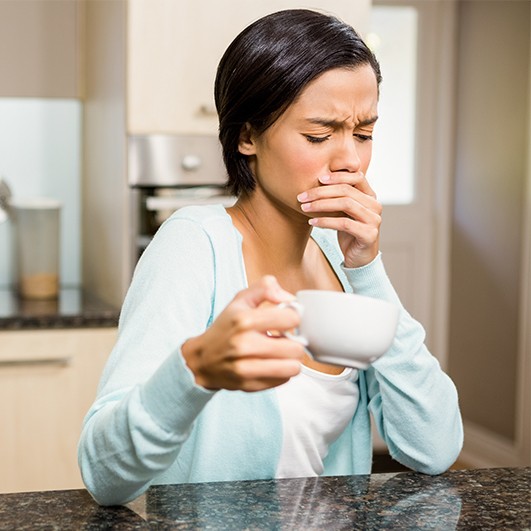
[(236, 352)]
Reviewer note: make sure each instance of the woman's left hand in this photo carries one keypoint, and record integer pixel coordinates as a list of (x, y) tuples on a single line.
[(348, 204)]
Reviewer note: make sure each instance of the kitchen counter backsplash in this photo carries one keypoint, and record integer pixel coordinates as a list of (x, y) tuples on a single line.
[(72, 309)]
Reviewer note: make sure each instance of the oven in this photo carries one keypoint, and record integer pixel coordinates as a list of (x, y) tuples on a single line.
[(167, 172)]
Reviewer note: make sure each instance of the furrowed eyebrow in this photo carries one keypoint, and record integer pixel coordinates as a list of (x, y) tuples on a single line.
[(368, 121), (336, 124)]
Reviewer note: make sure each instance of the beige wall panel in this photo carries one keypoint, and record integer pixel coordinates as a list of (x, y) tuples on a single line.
[(491, 157), (106, 224)]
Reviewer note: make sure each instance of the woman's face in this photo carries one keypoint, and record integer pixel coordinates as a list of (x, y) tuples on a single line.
[(327, 129)]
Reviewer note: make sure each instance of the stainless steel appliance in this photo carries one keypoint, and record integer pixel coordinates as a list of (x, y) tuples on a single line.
[(167, 172)]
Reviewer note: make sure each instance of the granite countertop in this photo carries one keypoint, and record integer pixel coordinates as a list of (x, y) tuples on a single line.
[(74, 308), (459, 499)]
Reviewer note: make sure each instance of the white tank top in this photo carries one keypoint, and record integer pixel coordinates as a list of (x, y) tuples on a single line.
[(315, 409)]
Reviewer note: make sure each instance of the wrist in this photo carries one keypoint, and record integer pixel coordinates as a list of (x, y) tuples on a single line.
[(191, 351), (358, 262), (362, 267)]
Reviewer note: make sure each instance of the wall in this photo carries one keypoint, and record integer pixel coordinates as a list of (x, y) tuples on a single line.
[(106, 224), (40, 155), (40, 48), (40, 116), (490, 183)]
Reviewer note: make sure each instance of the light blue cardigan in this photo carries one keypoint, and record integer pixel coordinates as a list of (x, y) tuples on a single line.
[(151, 423)]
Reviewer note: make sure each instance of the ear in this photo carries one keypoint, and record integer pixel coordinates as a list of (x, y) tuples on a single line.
[(246, 143)]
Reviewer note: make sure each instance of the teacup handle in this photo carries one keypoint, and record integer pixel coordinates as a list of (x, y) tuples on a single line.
[(300, 310)]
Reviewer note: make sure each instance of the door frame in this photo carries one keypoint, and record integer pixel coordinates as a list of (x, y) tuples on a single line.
[(437, 69), (428, 218), (422, 229)]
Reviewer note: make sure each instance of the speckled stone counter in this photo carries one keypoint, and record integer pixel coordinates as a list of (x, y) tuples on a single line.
[(72, 309), (459, 499)]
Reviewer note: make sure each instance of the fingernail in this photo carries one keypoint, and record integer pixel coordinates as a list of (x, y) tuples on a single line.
[(313, 221), (324, 178), (306, 206), (303, 196)]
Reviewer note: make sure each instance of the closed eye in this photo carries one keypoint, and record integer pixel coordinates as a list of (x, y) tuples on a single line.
[(317, 139), (362, 138)]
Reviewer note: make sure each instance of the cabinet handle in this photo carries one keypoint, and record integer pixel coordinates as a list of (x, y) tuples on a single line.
[(48, 362)]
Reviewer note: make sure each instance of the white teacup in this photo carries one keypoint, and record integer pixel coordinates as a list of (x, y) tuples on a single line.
[(344, 328)]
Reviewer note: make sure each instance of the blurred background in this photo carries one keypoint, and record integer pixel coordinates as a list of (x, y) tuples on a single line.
[(107, 106)]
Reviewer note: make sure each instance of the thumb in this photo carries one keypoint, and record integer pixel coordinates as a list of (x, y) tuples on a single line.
[(266, 289)]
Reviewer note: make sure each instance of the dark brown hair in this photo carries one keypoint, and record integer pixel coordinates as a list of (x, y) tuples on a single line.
[(267, 66)]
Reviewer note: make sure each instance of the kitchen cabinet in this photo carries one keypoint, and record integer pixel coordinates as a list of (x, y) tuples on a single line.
[(173, 49), (48, 380), (40, 48), (149, 68)]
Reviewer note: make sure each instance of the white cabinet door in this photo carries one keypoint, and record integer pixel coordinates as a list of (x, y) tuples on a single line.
[(173, 50), (40, 49), (48, 381)]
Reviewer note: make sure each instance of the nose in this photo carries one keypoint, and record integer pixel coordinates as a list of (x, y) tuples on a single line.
[(345, 156)]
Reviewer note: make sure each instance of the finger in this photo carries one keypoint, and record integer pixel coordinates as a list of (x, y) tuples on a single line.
[(260, 345), (356, 179), (247, 374), (347, 205), (264, 319), (266, 289), (365, 234), (338, 191), (261, 319), (366, 188), (262, 385)]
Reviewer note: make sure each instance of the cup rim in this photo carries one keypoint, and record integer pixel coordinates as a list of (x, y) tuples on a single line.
[(333, 293), (35, 203)]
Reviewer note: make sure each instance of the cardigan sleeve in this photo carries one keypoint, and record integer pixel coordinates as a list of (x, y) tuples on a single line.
[(147, 400), (413, 402)]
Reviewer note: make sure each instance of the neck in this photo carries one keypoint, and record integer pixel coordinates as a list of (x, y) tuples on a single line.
[(271, 234)]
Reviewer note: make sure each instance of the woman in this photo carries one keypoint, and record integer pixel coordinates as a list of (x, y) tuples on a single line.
[(197, 387)]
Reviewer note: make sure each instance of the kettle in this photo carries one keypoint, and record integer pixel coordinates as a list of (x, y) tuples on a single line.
[(5, 196)]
